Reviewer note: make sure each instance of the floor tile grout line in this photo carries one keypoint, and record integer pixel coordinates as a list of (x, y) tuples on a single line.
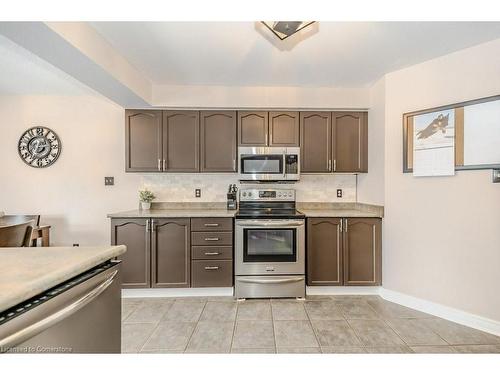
[(274, 331), (155, 327), (196, 326), (234, 328), (313, 328)]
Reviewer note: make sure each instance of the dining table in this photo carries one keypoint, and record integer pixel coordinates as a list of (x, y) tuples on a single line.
[(41, 232)]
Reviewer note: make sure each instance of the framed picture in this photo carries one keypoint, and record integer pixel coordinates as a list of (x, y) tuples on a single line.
[(473, 127)]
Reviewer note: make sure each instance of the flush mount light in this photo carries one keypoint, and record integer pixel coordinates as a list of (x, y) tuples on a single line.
[(284, 29)]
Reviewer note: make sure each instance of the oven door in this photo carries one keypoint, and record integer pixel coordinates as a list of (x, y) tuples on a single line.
[(261, 163), (267, 247)]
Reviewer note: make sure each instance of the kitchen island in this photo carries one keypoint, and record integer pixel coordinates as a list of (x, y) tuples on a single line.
[(60, 297)]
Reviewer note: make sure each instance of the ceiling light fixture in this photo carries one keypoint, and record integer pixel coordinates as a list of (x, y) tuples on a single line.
[(284, 29)]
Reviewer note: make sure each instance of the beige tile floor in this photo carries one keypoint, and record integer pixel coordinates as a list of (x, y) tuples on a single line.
[(320, 324)]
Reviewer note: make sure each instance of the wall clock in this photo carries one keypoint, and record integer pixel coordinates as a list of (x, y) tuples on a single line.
[(39, 147)]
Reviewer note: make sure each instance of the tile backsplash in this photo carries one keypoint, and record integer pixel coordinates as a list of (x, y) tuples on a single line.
[(181, 187)]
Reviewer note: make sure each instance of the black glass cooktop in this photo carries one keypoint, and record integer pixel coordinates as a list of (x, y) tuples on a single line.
[(269, 213)]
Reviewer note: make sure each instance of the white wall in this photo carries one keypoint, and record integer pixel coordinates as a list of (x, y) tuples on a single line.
[(442, 234), (371, 184), (70, 195), (260, 97)]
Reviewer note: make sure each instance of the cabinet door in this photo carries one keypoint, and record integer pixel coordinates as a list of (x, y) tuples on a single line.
[(315, 136), (252, 128), (362, 251), (284, 129), (218, 141), (324, 251), (143, 141), (171, 253), (181, 141), (350, 141), (134, 234)]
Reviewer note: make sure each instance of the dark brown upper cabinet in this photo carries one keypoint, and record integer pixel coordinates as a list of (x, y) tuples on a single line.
[(170, 253), (133, 233), (324, 251), (284, 129), (143, 152), (350, 141), (315, 135), (218, 141), (181, 141), (253, 128), (362, 251)]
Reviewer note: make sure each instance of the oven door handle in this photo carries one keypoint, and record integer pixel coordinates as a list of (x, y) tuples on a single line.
[(272, 281), (263, 223)]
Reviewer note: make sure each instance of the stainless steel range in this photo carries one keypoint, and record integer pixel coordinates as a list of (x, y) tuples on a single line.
[(270, 245)]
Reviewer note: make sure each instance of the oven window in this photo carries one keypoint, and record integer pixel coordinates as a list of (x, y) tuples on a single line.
[(260, 164), (269, 245)]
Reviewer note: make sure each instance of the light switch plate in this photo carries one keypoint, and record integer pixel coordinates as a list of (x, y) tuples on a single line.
[(109, 181), (496, 175)]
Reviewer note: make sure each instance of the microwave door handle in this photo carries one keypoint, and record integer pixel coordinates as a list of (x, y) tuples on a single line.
[(284, 164)]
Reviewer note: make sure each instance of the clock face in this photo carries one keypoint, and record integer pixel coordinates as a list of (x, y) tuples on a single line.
[(39, 147)]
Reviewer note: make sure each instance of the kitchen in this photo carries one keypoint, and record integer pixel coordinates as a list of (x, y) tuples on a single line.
[(247, 210)]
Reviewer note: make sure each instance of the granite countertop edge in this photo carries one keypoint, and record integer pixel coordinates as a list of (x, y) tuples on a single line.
[(19, 287), (314, 210)]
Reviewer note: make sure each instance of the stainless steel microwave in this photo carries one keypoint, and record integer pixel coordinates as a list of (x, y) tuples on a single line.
[(269, 163)]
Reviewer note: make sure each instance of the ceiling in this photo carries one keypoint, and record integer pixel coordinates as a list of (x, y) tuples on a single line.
[(23, 73), (339, 54)]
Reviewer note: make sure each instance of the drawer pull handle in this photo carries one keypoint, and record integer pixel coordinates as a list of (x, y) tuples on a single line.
[(211, 268), (211, 224), (212, 239), (214, 253)]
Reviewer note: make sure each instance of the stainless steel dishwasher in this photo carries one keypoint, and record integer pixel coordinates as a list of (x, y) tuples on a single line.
[(81, 315)]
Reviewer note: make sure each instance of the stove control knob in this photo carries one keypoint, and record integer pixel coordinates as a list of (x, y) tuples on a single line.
[(244, 194), (250, 194)]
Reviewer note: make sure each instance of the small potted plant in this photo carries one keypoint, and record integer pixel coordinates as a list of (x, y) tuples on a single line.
[(146, 197)]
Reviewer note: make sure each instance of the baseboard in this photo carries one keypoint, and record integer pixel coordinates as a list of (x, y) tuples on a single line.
[(341, 290), (445, 312), (177, 292)]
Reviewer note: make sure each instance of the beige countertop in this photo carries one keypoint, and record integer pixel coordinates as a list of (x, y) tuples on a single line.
[(338, 213), (182, 212), (28, 271), (217, 209)]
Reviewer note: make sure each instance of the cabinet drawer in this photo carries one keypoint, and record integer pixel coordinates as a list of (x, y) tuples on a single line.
[(212, 252), (211, 273), (205, 224), (211, 238)]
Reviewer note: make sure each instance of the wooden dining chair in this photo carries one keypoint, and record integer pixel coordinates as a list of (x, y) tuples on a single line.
[(18, 219), (17, 235)]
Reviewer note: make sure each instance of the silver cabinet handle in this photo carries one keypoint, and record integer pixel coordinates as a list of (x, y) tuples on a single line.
[(32, 330), (211, 224), (345, 225), (334, 165), (211, 268), (212, 239), (341, 225), (212, 253), (234, 164), (159, 164), (329, 165), (164, 165), (272, 281), (153, 225)]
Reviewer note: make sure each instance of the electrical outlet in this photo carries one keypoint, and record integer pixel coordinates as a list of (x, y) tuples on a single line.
[(197, 193), (109, 181), (76, 245), (339, 193)]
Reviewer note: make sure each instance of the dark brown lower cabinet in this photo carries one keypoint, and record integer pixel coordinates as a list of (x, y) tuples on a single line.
[(362, 251), (133, 233), (170, 253), (324, 251), (344, 251)]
